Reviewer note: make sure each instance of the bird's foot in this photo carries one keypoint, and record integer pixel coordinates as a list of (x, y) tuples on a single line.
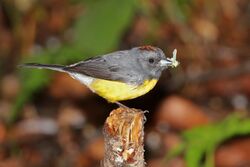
[(121, 105)]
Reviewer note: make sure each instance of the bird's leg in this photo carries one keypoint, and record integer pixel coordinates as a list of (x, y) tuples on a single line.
[(121, 105)]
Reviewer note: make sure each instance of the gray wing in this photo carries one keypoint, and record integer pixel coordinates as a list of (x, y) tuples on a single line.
[(116, 66)]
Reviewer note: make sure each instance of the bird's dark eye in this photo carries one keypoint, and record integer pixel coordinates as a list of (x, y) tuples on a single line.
[(151, 60)]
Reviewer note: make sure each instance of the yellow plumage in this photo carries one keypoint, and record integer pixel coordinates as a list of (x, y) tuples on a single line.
[(117, 91), (117, 69)]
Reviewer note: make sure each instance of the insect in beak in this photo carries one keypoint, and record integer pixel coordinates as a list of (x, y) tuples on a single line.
[(170, 61)]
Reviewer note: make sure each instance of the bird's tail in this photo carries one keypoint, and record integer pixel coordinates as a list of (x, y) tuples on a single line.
[(44, 66)]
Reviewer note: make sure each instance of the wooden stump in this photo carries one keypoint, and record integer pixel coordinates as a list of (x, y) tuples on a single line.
[(123, 136)]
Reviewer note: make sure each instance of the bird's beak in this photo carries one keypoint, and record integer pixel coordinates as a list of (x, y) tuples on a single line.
[(165, 63), (170, 61)]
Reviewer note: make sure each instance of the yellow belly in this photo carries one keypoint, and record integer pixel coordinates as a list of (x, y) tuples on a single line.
[(117, 91)]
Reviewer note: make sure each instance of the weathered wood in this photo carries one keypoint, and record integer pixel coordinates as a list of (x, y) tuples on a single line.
[(123, 135)]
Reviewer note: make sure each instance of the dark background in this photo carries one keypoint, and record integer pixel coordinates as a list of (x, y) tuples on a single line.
[(198, 112)]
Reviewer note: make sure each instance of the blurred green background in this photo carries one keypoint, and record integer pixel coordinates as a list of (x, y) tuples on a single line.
[(198, 113)]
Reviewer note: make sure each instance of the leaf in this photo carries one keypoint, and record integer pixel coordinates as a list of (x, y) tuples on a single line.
[(201, 142), (101, 27)]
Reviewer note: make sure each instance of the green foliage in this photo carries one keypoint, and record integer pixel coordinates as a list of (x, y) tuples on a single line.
[(202, 141), (178, 11), (97, 31), (108, 19)]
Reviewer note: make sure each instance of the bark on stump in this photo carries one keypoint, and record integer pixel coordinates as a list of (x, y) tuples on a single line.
[(123, 136)]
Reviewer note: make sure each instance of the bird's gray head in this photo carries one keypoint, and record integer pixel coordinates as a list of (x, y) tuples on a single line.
[(153, 61)]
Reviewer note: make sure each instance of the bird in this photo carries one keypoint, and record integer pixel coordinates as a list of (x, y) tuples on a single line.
[(120, 75)]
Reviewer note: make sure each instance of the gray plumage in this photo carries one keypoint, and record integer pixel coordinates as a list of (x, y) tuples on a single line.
[(130, 66)]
